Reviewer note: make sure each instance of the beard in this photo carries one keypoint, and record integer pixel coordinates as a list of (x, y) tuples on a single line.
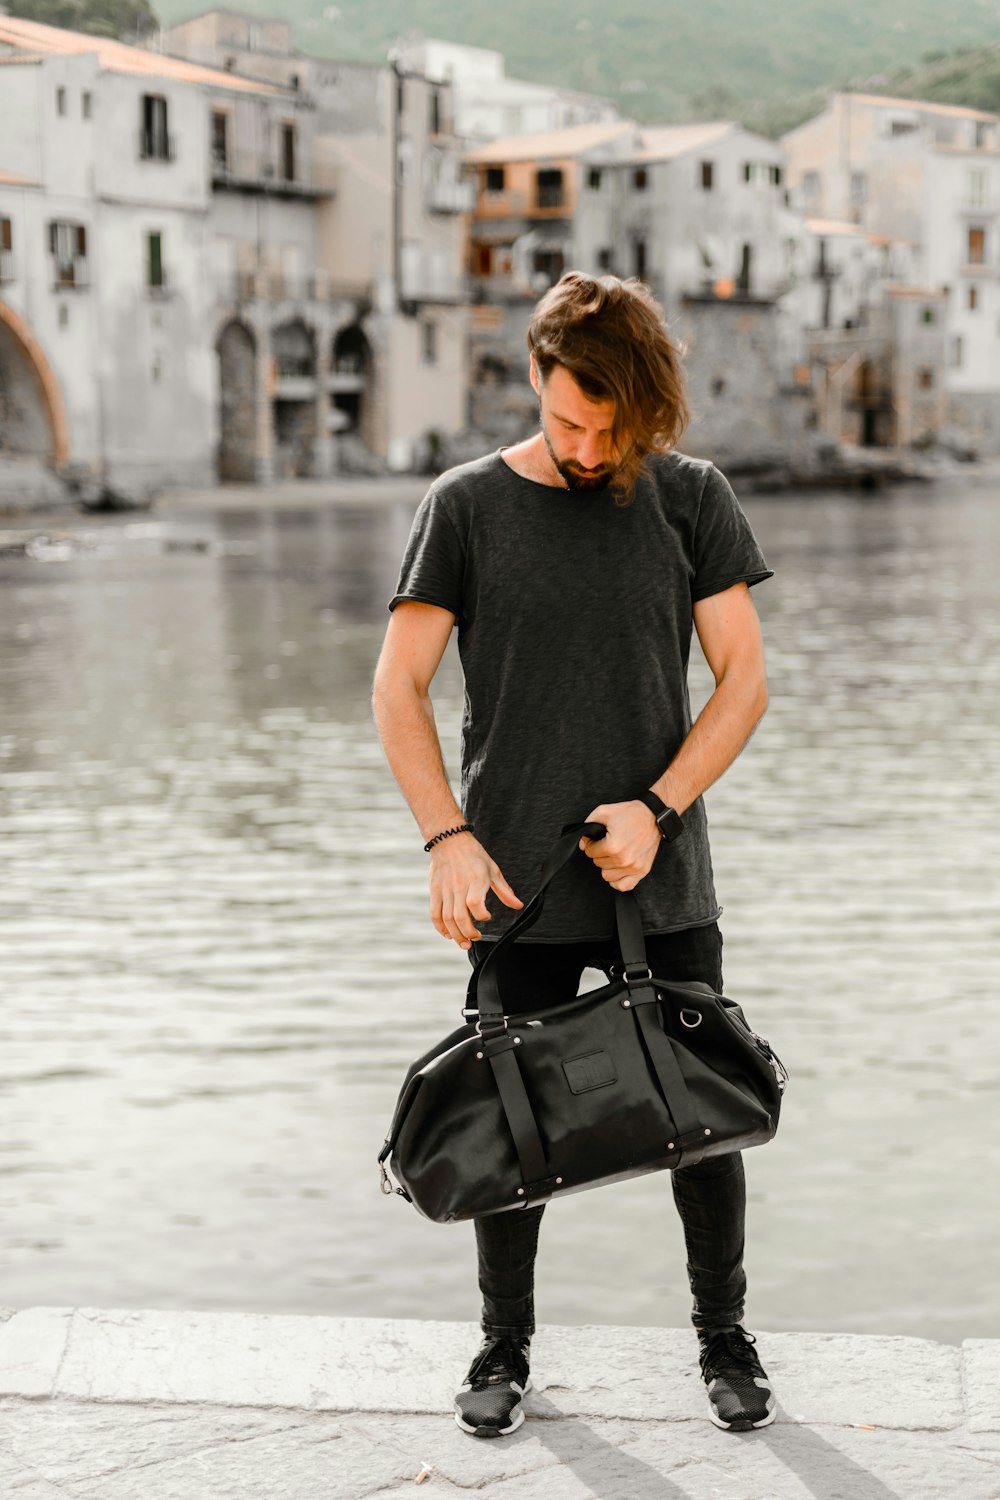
[(575, 477)]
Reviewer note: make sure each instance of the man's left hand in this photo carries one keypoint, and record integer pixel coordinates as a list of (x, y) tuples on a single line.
[(626, 852)]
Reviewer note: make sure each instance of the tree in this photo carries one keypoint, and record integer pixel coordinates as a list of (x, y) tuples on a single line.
[(127, 20)]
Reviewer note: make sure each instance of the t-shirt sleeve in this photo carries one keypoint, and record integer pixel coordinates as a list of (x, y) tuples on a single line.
[(433, 564), (725, 548)]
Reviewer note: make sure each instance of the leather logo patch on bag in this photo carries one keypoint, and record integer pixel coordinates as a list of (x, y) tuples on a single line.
[(592, 1071)]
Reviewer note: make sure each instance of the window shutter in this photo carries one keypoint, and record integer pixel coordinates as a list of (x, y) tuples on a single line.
[(53, 237), (5, 234), (81, 241)]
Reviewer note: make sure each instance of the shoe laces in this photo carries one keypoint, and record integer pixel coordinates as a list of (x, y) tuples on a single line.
[(499, 1359), (728, 1351)]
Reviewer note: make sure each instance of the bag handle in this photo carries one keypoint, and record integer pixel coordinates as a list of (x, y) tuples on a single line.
[(483, 993)]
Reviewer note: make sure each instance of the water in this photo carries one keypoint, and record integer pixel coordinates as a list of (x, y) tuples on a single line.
[(218, 961)]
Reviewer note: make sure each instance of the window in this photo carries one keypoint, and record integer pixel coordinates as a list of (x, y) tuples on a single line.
[(982, 133), (60, 101), (154, 260), (956, 351), (594, 178), (775, 174), (928, 315), (707, 170), (288, 152), (154, 140), (6, 250), (68, 247), (973, 298), (220, 141), (925, 378), (495, 179), (859, 187), (757, 173), (640, 179), (428, 333), (484, 260), (977, 246), (550, 264), (434, 112), (550, 187), (86, 104), (639, 259), (978, 187), (604, 261), (902, 127)]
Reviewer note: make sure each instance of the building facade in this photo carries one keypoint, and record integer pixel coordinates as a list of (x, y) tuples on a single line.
[(390, 374), (928, 175), (104, 300)]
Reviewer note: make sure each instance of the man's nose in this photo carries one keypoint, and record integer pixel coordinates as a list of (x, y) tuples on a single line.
[(590, 453)]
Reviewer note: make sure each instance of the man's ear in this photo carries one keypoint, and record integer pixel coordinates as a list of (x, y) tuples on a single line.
[(536, 384)]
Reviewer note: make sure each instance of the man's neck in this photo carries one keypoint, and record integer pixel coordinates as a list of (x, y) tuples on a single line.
[(531, 460)]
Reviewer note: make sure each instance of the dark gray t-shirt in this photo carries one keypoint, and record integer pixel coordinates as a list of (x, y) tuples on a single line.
[(574, 629)]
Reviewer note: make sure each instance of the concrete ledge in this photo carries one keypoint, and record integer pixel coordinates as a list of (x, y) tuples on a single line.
[(216, 1404)]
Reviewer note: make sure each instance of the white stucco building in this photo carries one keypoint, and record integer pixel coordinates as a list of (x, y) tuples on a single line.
[(105, 203), (928, 175), (488, 104)]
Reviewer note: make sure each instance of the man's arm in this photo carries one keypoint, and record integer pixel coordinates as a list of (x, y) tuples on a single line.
[(461, 871), (729, 631)]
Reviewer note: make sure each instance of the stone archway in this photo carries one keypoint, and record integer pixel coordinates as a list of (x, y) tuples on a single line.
[(350, 381), (237, 353), (293, 355), (32, 414)]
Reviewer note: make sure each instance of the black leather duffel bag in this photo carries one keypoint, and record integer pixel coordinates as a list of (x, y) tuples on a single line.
[(641, 1075)]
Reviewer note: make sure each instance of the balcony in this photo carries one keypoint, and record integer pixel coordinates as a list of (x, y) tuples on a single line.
[(243, 169), (451, 196), (276, 286), (6, 266), (71, 275), (155, 147)]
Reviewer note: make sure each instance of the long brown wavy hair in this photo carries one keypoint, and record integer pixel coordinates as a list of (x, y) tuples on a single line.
[(611, 335)]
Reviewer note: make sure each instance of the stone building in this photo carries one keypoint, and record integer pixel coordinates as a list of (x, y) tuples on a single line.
[(488, 104), (928, 175), (105, 367), (380, 351)]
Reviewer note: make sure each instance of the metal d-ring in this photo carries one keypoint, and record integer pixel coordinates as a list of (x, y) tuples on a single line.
[(691, 1025)]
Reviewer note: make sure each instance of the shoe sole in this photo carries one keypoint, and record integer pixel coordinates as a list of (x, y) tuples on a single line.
[(517, 1417)]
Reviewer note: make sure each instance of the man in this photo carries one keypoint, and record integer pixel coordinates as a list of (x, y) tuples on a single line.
[(575, 564)]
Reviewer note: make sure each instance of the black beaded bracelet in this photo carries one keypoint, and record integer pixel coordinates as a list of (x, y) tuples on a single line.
[(464, 828)]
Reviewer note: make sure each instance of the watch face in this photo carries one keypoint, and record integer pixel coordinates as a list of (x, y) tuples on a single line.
[(669, 824)]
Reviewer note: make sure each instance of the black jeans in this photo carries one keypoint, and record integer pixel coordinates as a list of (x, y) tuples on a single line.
[(710, 1196)]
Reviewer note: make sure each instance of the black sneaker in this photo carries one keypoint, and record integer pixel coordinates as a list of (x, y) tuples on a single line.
[(739, 1391), (489, 1403)]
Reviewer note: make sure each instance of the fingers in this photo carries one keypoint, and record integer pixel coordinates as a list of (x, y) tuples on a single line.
[(504, 891)]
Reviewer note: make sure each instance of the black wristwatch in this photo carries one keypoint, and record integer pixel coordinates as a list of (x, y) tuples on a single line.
[(667, 821)]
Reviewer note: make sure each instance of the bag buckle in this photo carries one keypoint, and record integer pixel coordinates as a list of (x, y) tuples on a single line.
[(635, 977)]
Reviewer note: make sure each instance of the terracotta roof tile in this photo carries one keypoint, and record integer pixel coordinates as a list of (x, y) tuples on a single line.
[(571, 141), (119, 57)]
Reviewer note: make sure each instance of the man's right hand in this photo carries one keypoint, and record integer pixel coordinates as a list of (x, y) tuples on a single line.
[(461, 874)]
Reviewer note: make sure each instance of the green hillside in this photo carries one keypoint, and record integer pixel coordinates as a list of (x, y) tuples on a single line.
[(660, 60)]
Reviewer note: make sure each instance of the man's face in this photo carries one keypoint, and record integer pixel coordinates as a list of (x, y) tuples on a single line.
[(577, 430)]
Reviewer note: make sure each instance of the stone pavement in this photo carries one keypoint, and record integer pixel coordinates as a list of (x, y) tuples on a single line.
[(130, 1405)]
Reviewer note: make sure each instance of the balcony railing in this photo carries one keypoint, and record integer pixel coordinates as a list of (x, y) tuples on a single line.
[(451, 197), (276, 286), (246, 167), (157, 148), (74, 273), (6, 265)]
